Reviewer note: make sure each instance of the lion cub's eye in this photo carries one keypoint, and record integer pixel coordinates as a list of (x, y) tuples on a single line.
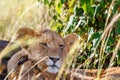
[(61, 46), (44, 44)]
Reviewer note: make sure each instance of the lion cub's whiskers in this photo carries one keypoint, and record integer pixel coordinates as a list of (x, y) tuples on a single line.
[(34, 65)]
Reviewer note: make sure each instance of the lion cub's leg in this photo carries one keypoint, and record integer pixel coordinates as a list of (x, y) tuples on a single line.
[(15, 68), (20, 67)]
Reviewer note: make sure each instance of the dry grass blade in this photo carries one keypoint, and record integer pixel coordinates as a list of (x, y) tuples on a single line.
[(21, 69), (68, 61), (114, 53), (34, 66), (109, 12)]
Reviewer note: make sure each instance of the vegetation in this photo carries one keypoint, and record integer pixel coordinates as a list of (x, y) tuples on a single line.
[(98, 24), (96, 21)]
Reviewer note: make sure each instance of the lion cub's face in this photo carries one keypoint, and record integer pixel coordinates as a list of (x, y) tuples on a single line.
[(48, 47), (51, 45)]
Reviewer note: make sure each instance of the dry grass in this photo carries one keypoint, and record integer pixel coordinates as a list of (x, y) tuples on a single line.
[(21, 13)]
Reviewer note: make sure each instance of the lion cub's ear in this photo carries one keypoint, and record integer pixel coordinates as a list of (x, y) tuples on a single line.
[(71, 39), (25, 33)]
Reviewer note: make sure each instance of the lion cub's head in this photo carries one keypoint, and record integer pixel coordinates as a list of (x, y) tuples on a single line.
[(48, 50)]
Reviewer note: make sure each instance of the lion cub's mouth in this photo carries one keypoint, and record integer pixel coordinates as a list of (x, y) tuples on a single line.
[(53, 67)]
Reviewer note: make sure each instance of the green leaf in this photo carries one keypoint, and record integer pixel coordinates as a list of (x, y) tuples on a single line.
[(95, 38), (96, 35), (111, 40), (78, 11), (46, 1), (118, 27), (118, 54), (55, 17), (63, 1), (87, 6), (58, 7)]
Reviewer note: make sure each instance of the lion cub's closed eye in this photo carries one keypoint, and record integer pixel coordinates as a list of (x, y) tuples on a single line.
[(44, 44), (45, 55)]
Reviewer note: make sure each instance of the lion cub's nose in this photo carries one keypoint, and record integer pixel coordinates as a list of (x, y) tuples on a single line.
[(54, 59)]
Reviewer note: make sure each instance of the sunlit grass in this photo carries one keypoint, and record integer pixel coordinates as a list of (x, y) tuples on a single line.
[(21, 13)]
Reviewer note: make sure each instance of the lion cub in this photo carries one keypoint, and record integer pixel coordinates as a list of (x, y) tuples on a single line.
[(42, 58)]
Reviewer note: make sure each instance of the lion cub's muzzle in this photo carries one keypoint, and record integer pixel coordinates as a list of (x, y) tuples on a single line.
[(53, 63)]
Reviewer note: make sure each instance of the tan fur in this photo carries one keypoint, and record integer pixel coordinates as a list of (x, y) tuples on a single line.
[(47, 45)]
